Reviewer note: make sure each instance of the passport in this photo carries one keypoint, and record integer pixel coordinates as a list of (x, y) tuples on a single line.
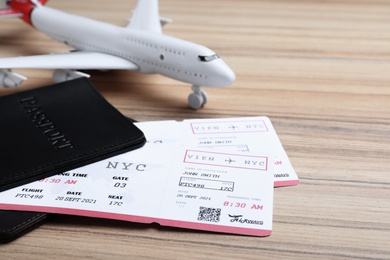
[(52, 129), (14, 224)]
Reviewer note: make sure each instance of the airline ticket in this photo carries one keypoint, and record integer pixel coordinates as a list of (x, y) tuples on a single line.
[(242, 135), (196, 174)]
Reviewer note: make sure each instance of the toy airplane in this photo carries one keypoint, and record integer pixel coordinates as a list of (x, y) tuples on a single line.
[(140, 47)]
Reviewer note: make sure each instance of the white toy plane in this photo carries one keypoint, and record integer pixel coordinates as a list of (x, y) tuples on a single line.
[(140, 46)]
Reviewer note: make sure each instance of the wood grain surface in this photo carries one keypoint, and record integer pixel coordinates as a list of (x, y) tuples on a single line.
[(319, 69)]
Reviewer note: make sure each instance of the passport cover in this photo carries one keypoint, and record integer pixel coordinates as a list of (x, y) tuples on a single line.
[(49, 130), (14, 224)]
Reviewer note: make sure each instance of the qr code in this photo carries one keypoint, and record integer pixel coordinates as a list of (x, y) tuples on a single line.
[(209, 214)]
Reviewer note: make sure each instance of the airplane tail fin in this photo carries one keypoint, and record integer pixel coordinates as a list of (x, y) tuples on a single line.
[(146, 17), (19, 8)]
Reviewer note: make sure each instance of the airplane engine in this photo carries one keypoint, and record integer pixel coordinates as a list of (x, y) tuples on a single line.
[(10, 79), (65, 75)]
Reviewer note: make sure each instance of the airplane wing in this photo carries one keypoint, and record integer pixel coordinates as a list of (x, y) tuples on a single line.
[(146, 17), (72, 60)]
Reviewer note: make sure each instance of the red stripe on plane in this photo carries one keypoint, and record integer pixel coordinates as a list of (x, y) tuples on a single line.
[(24, 7)]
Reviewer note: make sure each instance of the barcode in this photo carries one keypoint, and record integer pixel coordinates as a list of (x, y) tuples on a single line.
[(209, 214)]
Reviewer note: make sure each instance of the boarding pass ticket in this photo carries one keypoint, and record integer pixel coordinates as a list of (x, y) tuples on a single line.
[(244, 135), (186, 175)]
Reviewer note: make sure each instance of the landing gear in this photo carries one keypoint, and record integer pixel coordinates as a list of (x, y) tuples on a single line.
[(197, 99)]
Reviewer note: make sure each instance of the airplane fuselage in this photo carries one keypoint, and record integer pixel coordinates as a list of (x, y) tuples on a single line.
[(151, 52)]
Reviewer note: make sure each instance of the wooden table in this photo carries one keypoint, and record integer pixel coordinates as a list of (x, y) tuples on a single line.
[(319, 69)]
